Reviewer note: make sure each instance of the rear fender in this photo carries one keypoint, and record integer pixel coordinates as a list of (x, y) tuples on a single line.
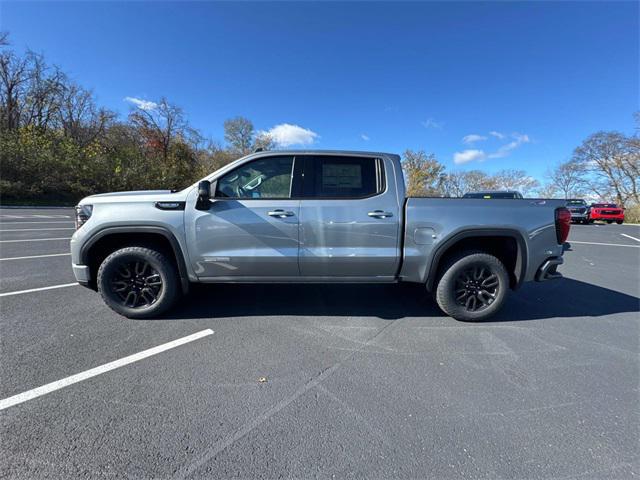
[(448, 244)]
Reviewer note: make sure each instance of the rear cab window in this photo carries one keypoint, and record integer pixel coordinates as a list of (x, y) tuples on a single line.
[(336, 177)]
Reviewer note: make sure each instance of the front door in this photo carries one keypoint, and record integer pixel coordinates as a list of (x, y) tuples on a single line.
[(251, 229), (349, 219)]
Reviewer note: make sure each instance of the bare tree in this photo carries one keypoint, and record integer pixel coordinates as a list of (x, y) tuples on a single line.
[(239, 133), (548, 190), (510, 179), (423, 173), (30, 91), (79, 117), (41, 101), (456, 184), (612, 164), (264, 141), (568, 179), (159, 124), (14, 76)]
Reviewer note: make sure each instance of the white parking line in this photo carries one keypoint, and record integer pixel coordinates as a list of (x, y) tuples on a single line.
[(35, 216), (36, 229), (607, 244), (78, 377), (24, 223), (34, 240), (629, 236), (34, 256), (30, 290)]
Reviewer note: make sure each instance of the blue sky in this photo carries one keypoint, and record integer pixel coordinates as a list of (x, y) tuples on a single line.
[(528, 81)]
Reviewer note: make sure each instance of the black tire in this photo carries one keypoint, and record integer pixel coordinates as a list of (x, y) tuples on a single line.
[(471, 271), (138, 282), (619, 222)]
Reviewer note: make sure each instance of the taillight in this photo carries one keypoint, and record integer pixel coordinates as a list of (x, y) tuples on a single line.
[(563, 224)]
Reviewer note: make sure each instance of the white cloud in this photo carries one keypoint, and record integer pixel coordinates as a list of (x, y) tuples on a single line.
[(467, 156), (364, 137), (142, 104), (473, 137), (506, 149), (285, 135), (431, 123)]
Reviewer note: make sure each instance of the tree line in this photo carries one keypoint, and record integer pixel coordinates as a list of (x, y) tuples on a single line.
[(58, 145)]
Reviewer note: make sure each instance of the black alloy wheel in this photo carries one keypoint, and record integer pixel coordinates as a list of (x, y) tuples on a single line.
[(139, 282), (476, 288), (473, 286), (136, 283)]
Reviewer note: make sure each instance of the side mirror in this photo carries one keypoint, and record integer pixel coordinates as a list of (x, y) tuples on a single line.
[(204, 195)]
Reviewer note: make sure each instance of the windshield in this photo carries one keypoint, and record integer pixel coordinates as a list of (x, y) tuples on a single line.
[(605, 205), (579, 203)]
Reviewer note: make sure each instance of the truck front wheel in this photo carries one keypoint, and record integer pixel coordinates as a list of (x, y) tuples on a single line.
[(138, 282), (472, 287)]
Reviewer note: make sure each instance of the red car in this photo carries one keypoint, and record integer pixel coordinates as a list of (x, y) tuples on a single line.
[(607, 212)]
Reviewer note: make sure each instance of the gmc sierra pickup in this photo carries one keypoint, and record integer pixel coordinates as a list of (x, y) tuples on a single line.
[(313, 216)]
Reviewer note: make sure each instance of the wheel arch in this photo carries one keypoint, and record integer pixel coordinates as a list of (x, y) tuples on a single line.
[(506, 244), (109, 239)]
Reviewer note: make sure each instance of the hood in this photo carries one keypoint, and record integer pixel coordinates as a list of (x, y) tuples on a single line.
[(135, 196), (130, 194)]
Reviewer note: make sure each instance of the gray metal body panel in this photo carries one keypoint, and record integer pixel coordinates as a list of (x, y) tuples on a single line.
[(131, 209), (431, 222), (237, 238), (324, 240), (338, 238)]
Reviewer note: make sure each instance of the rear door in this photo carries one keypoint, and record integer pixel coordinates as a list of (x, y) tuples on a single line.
[(349, 219)]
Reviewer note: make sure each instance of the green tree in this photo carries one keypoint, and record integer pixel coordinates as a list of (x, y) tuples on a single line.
[(423, 173)]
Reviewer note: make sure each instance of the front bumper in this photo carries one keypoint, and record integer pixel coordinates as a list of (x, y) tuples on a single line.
[(600, 216), (81, 272), (548, 269)]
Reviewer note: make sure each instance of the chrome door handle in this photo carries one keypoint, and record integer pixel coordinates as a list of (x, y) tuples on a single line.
[(280, 213), (380, 214)]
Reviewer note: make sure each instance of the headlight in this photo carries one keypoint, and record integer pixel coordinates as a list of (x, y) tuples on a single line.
[(83, 213)]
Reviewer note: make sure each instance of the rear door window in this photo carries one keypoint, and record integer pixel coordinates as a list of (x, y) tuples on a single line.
[(342, 177)]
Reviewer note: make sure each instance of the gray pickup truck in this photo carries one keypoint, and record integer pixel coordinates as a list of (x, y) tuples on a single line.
[(313, 216)]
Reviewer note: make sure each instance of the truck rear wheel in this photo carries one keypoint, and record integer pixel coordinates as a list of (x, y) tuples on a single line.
[(473, 286), (138, 282)]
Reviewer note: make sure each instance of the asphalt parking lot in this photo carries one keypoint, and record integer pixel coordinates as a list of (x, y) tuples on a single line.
[(361, 381)]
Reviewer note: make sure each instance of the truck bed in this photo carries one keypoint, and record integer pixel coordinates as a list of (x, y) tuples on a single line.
[(431, 225)]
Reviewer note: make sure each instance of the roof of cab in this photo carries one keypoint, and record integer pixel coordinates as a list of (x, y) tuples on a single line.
[(324, 152)]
